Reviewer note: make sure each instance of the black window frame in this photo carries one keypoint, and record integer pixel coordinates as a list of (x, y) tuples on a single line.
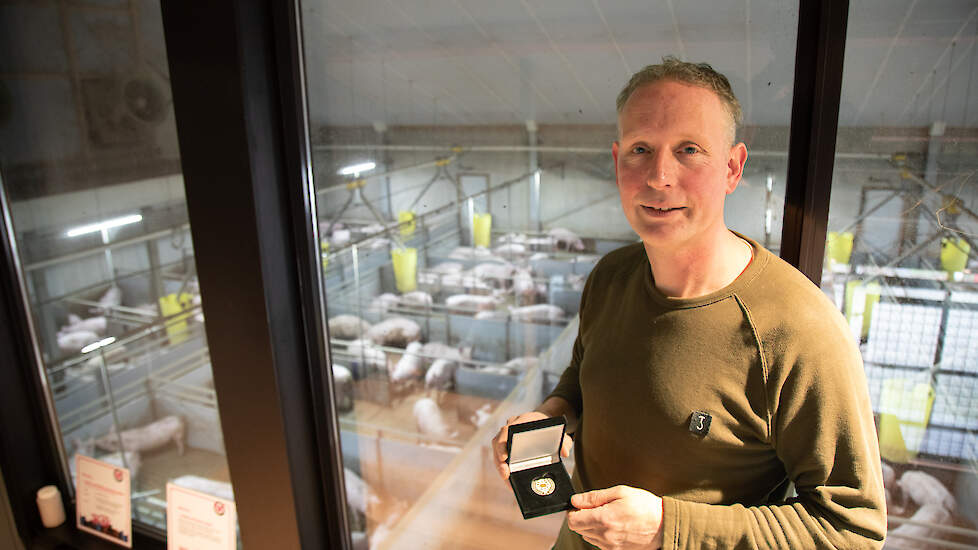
[(241, 110)]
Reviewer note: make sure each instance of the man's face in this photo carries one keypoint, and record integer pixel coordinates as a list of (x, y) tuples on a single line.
[(674, 163)]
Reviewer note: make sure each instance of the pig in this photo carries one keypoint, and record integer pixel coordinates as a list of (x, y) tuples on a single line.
[(441, 375), (347, 327), (73, 342), (343, 387), (410, 366), (213, 487), (358, 494), (538, 312), (146, 438), (95, 324), (522, 364), (447, 267), (497, 275), (110, 299), (510, 249), (923, 489), (928, 513), (384, 303), (481, 416), (365, 352), (512, 238), (565, 239), (430, 420), (473, 301), (440, 350), (416, 298), (524, 287), (396, 332), (539, 256)]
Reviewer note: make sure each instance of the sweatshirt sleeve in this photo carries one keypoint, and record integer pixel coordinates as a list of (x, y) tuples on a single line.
[(822, 428)]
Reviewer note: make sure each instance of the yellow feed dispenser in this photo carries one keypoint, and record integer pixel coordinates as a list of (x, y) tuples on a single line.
[(481, 229), (172, 305), (405, 268), (954, 254), (838, 247), (405, 219)]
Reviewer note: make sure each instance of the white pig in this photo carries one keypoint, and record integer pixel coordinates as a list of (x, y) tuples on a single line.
[(95, 324), (480, 416), (384, 303), (440, 375), (410, 366), (358, 493), (565, 239), (928, 513), (110, 299), (151, 436), (538, 312), (430, 420), (925, 489), (497, 275), (347, 327), (479, 302), (416, 298), (365, 351), (396, 332)]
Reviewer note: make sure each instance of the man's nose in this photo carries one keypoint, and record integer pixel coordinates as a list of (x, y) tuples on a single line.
[(660, 170)]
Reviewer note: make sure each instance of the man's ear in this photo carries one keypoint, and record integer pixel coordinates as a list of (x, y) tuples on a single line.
[(735, 165), (614, 156)]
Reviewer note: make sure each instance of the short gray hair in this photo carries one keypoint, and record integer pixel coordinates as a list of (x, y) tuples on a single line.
[(694, 74)]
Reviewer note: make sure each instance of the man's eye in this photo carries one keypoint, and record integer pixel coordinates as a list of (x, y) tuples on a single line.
[(638, 149), (690, 150)]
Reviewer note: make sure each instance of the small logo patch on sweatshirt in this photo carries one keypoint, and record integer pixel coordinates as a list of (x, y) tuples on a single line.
[(699, 422)]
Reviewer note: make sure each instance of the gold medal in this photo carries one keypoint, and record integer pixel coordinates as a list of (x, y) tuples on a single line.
[(543, 486)]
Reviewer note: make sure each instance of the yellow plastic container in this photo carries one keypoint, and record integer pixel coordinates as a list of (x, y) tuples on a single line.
[(905, 409), (481, 229), (954, 254), (872, 297), (838, 247), (172, 305), (405, 268), (408, 225)]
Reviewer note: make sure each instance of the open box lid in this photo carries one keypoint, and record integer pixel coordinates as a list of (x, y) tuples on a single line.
[(535, 443)]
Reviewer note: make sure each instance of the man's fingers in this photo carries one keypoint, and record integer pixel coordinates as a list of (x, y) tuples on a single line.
[(593, 499), (582, 521), (565, 447)]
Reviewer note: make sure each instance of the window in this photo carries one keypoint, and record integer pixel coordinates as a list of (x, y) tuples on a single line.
[(465, 186), (92, 173), (900, 260)]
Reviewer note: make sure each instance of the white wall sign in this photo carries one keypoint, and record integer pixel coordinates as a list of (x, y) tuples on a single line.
[(198, 521), (104, 506)]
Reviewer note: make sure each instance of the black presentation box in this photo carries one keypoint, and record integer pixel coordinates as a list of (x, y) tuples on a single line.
[(534, 461)]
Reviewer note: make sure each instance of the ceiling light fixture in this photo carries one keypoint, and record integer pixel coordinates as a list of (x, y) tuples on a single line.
[(356, 169), (104, 225)]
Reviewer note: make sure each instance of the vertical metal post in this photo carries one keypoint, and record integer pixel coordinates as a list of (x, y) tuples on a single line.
[(470, 208), (531, 133), (768, 214)]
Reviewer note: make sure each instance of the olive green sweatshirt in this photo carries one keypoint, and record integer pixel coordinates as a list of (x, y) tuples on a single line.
[(773, 364)]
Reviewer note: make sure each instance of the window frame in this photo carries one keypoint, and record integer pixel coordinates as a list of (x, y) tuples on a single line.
[(237, 76)]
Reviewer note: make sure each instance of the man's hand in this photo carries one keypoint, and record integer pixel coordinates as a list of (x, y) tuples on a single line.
[(498, 442), (619, 518)]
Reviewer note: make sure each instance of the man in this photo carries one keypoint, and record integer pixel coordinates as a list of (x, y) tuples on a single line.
[(708, 375)]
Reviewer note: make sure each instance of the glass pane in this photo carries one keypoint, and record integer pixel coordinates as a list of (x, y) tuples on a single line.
[(92, 171), (900, 255), (462, 157)]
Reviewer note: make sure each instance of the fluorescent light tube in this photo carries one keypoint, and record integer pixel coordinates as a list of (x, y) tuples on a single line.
[(357, 168), (107, 224), (96, 345)]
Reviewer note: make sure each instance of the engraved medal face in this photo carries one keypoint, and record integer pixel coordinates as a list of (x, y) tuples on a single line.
[(543, 486)]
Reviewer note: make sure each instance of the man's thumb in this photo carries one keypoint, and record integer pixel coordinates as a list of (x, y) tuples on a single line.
[(593, 499)]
